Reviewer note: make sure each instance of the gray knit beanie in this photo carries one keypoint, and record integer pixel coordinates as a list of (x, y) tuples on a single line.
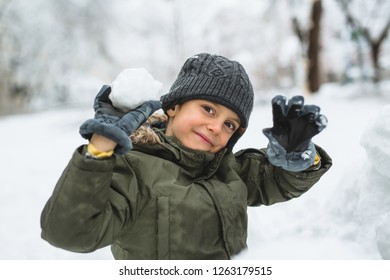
[(216, 79)]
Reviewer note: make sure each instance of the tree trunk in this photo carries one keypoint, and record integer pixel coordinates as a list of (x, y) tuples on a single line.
[(313, 63), (375, 50), (375, 61)]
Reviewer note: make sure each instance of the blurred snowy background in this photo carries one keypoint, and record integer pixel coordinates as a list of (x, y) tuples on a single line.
[(55, 55)]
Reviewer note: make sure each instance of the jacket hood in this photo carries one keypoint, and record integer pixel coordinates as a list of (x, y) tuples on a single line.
[(146, 134)]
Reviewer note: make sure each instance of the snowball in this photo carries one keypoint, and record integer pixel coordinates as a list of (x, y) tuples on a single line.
[(132, 87)]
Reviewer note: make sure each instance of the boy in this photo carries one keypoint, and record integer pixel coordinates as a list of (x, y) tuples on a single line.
[(176, 191)]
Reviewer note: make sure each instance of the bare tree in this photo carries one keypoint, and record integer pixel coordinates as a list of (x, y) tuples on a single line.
[(311, 43), (360, 29), (313, 67)]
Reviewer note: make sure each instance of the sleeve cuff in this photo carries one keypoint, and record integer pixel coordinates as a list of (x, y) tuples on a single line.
[(93, 152)]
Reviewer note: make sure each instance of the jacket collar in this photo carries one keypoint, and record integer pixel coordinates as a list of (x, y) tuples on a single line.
[(198, 164)]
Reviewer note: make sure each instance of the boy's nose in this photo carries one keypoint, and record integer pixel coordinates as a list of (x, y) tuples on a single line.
[(215, 127)]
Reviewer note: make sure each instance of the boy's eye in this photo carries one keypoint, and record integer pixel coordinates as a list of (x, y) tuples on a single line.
[(208, 109), (231, 126)]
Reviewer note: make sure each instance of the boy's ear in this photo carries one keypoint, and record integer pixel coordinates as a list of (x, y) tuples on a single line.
[(172, 111)]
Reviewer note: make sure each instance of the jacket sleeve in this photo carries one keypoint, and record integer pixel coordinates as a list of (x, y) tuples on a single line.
[(89, 206), (268, 184)]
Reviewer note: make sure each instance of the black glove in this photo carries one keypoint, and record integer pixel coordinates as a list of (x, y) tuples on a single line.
[(114, 124), (295, 124)]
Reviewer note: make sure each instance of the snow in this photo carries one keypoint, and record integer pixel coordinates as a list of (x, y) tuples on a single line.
[(65, 58), (346, 215), (133, 86)]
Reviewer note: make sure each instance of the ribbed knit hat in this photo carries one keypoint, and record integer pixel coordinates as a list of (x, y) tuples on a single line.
[(216, 79)]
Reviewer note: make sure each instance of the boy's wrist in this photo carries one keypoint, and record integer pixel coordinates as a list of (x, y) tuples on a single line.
[(102, 143)]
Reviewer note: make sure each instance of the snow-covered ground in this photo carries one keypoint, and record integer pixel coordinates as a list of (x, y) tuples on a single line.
[(345, 216)]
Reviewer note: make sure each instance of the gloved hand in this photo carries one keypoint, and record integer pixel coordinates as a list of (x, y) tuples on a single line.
[(114, 124), (294, 125)]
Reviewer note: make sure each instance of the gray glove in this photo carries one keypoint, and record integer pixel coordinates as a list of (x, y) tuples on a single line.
[(116, 125), (290, 145)]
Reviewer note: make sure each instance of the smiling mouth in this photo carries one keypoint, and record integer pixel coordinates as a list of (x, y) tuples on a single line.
[(205, 138)]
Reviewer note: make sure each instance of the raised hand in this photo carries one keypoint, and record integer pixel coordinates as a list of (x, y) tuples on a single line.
[(114, 124), (294, 125)]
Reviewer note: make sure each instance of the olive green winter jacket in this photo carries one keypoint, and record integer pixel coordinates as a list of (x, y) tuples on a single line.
[(164, 201)]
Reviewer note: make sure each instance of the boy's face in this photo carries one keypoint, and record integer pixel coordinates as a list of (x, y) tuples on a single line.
[(202, 125)]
